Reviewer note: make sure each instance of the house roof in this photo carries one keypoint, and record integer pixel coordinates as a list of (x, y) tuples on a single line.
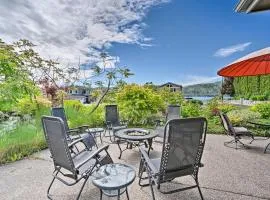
[(174, 84), (252, 5)]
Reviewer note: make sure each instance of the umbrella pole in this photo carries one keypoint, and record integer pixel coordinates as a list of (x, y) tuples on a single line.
[(221, 90)]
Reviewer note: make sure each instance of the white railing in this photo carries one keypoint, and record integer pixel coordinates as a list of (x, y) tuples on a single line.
[(244, 102)]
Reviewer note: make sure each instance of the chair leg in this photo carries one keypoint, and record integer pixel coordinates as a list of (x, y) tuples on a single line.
[(48, 190), (141, 169), (234, 141), (151, 184), (266, 148), (252, 137), (86, 178), (197, 183)]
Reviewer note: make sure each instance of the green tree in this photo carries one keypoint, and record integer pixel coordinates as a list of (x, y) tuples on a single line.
[(138, 104), (14, 80), (171, 98), (227, 87)]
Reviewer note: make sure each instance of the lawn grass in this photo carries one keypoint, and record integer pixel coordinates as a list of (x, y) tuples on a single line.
[(24, 140)]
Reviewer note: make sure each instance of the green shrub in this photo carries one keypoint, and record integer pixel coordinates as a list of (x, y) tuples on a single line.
[(261, 97), (196, 101), (171, 98), (215, 126), (73, 104), (138, 103), (7, 106), (241, 117), (211, 108), (214, 106), (225, 107), (28, 106), (79, 114), (191, 110), (263, 109)]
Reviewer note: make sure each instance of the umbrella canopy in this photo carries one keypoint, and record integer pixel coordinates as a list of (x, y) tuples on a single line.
[(254, 64), (252, 5)]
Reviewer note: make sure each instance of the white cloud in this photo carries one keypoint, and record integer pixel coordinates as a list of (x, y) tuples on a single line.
[(194, 79), (227, 51), (73, 30)]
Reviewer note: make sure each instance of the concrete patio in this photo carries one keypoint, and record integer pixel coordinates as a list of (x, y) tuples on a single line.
[(228, 174)]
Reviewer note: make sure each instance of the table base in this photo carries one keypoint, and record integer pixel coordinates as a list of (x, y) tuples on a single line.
[(114, 193), (147, 143)]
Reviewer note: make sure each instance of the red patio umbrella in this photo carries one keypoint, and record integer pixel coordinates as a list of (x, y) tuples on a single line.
[(254, 64)]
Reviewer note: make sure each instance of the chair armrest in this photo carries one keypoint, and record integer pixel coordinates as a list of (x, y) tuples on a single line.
[(74, 131), (100, 149), (147, 159), (93, 155), (83, 128), (75, 142)]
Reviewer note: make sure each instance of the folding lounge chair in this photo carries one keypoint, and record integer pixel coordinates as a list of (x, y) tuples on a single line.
[(70, 168), (236, 132), (75, 133), (173, 112), (112, 120), (183, 145)]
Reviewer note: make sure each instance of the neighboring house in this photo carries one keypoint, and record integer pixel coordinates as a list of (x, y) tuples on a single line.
[(249, 6), (172, 86), (78, 93)]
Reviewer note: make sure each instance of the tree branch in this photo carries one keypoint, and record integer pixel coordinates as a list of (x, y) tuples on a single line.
[(102, 97)]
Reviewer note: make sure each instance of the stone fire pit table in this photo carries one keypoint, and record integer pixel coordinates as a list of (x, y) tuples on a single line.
[(135, 137)]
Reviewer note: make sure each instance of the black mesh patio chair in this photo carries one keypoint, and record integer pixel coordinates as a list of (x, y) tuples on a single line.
[(236, 132), (70, 168), (183, 145), (173, 112), (112, 120), (75, 133)]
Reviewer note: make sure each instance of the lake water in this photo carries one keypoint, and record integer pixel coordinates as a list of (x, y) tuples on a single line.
[(204, 99)]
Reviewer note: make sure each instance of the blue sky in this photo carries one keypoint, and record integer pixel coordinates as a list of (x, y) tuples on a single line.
[(159, 40), (186, 36)]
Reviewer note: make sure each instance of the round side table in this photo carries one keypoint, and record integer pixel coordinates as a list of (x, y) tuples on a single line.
[(113, 179), (95, 132)]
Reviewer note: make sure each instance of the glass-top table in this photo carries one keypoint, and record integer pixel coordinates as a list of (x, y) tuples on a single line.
[(95, 132), (113, 179), (135, 137)]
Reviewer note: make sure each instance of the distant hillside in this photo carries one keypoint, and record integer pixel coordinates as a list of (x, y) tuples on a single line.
[(204, 89)]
